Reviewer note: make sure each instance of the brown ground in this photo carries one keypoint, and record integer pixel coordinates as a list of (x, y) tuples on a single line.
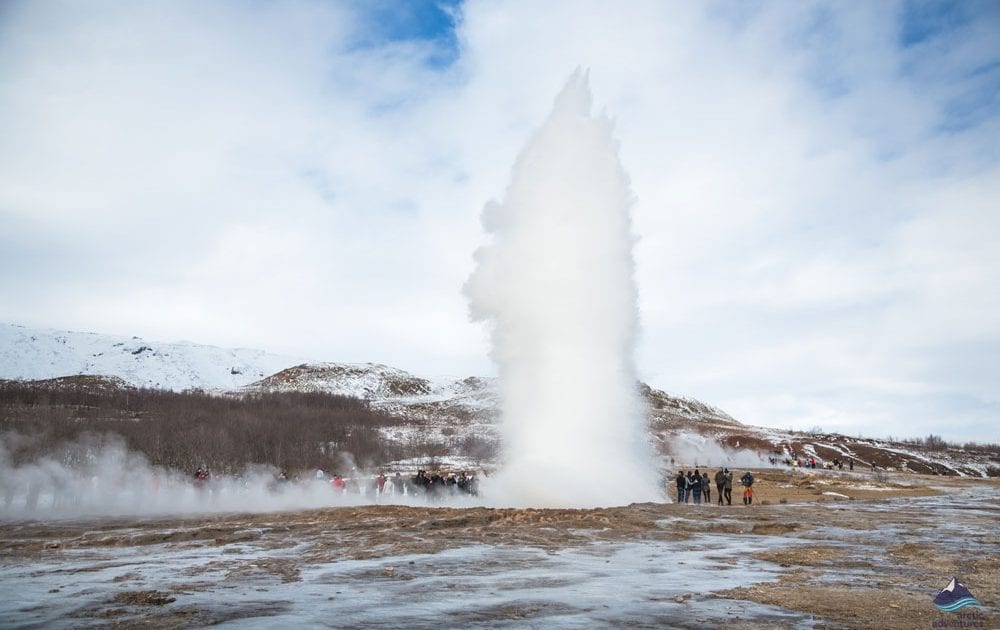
[(897, 577), (888, 550), (774, 485)]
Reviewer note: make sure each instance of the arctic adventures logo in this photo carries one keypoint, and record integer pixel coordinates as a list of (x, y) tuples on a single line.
[(954, 597)]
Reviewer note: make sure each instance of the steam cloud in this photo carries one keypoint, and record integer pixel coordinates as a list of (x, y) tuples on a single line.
[(693, 450), (98, 476), (557, 285)]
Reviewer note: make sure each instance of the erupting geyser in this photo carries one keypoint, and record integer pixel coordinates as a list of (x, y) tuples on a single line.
[(557, 285)]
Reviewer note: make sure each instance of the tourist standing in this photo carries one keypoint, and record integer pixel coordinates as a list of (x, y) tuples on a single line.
[(729, 486), (747, 481), (720, 483)]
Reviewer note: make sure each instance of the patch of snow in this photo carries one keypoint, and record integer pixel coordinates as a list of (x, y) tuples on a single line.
[(31, 354)]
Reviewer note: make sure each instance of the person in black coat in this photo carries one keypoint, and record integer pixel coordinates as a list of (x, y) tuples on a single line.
[(696, 486)]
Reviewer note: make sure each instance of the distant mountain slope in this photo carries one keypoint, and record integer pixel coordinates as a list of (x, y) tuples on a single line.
[(451, 416), (364, 380), (32, 354), (448, 412)]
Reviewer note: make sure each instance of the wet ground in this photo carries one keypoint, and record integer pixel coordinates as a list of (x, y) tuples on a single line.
[(841, 551)]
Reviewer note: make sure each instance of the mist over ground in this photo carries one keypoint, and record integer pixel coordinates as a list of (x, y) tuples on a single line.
[(97, 476)]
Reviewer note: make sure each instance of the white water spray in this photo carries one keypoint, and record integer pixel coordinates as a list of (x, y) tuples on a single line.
[(557, 285)]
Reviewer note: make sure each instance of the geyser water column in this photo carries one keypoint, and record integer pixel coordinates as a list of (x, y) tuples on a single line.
[(557, 285)]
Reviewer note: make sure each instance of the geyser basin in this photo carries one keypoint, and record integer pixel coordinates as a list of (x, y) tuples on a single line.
[(557, 285)]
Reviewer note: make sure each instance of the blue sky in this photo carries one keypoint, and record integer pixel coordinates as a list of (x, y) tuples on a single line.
[(816, 185), (922, 21), (421, 20)]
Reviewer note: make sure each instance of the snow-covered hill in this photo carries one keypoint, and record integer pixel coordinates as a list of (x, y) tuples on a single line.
[(452, 412), (32, 354), (370, 381)]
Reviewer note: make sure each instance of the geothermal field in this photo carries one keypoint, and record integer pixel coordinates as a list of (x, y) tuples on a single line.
[(575, 526), (818, 549)]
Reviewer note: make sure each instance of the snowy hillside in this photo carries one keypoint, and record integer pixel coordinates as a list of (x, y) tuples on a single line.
[(31, 354), (459, 414), (369, 381), (444, 410), (385, 386)]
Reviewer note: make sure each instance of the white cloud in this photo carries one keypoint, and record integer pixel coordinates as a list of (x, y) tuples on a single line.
[(817, 203)]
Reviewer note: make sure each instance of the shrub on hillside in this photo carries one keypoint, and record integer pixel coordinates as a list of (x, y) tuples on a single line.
[(191, 429)]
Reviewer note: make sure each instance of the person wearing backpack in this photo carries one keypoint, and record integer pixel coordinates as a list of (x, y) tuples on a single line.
[(747, 481), (720, 483), (729, 486)]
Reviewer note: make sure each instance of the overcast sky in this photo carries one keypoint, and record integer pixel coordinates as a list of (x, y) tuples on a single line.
[(817, 185)]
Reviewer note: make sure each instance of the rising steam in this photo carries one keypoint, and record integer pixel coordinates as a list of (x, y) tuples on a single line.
[(97, 476), (557, 284)]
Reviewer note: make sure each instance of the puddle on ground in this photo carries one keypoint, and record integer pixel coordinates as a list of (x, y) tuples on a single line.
[(479, 585)]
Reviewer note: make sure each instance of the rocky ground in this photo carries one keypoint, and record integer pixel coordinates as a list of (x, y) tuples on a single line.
[(825, 550)]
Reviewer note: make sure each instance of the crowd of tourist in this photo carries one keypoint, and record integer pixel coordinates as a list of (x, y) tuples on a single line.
[(431, 486), (796, 461), (693, 486)]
